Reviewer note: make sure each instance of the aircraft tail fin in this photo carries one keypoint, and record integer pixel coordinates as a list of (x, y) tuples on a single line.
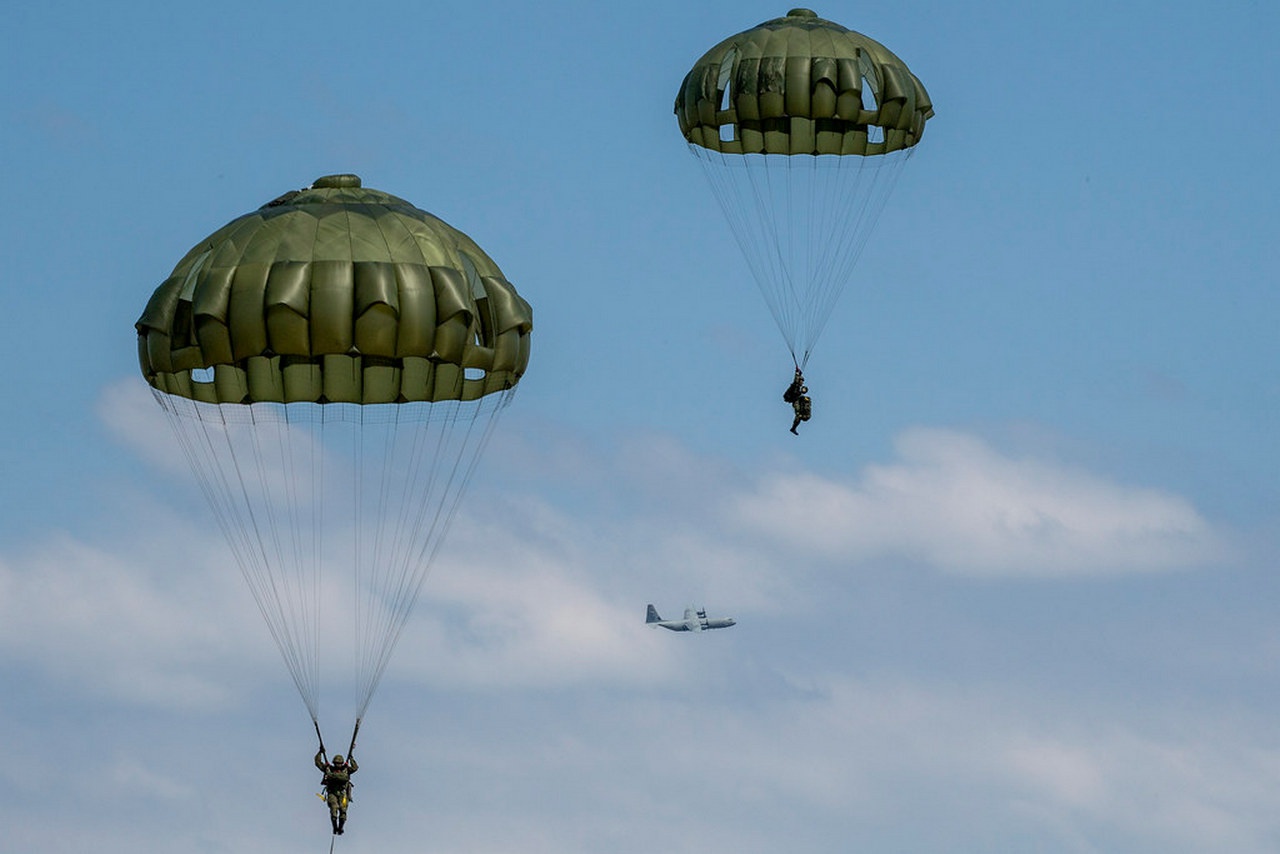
[(652, 616)]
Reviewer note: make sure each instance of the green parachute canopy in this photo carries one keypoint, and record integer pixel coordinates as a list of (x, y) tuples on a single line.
[(801, 127), (336, 293), (801, 85), (333, 365)]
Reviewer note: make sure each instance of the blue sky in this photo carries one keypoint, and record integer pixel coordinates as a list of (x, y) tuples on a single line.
[(1013, 588)]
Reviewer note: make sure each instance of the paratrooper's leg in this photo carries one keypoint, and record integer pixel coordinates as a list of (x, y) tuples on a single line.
[(334, 807)]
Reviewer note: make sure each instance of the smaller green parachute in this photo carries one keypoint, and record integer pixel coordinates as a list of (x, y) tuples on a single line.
[(801, 127), (802, 85)]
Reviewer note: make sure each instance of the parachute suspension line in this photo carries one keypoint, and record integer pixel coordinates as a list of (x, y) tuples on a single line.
[(855, 196), (770, 203), (264, 465), (375, 569), (280, 604), (413, 498), (755, 192), (400, 574), (316, 458), (412, 507), (817, 210), (287, 586), (305, 566), (470, 462), (795, 214), (801, 222), (815, 202), (358, 583), (819, 220), (439, 495), (361, 439), (812, 205), (741, 201), (351, 748), (372, 575), (410, 442), (820, 192), (207, 438)]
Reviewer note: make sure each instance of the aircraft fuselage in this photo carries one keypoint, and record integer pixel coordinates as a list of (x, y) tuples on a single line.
[(694, 621)]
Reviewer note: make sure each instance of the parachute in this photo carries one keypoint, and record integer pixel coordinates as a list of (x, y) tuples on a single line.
[(801, 127), (333, 365)]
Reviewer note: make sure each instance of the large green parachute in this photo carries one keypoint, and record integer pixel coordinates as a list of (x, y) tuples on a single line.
[(333, 364), (801, 126), (335, 294)]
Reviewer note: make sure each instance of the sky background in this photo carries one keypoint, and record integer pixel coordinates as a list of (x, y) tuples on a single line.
[(1012, 589)]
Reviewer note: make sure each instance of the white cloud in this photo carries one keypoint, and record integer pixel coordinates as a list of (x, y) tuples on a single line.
[(1204, 783), (1191, 780), (156, 613), (130, 775), (546, 587), (952, 502), (130, 413), (849, 764), (124, 623), (545, 584), (1070, 774), (519, 600), (532, 709)]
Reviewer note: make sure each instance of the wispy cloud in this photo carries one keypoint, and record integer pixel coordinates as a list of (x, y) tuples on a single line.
[(874, 764), (953, 502), (128, 411), (544, 576), (129, 624), (541, 714)]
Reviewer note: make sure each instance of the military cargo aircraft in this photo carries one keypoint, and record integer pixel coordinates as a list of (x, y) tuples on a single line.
[(694, 621)]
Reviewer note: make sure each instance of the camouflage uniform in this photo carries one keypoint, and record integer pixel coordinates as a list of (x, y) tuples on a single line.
[(797, 394), (793, 392), (804, 410), (337, 787)]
